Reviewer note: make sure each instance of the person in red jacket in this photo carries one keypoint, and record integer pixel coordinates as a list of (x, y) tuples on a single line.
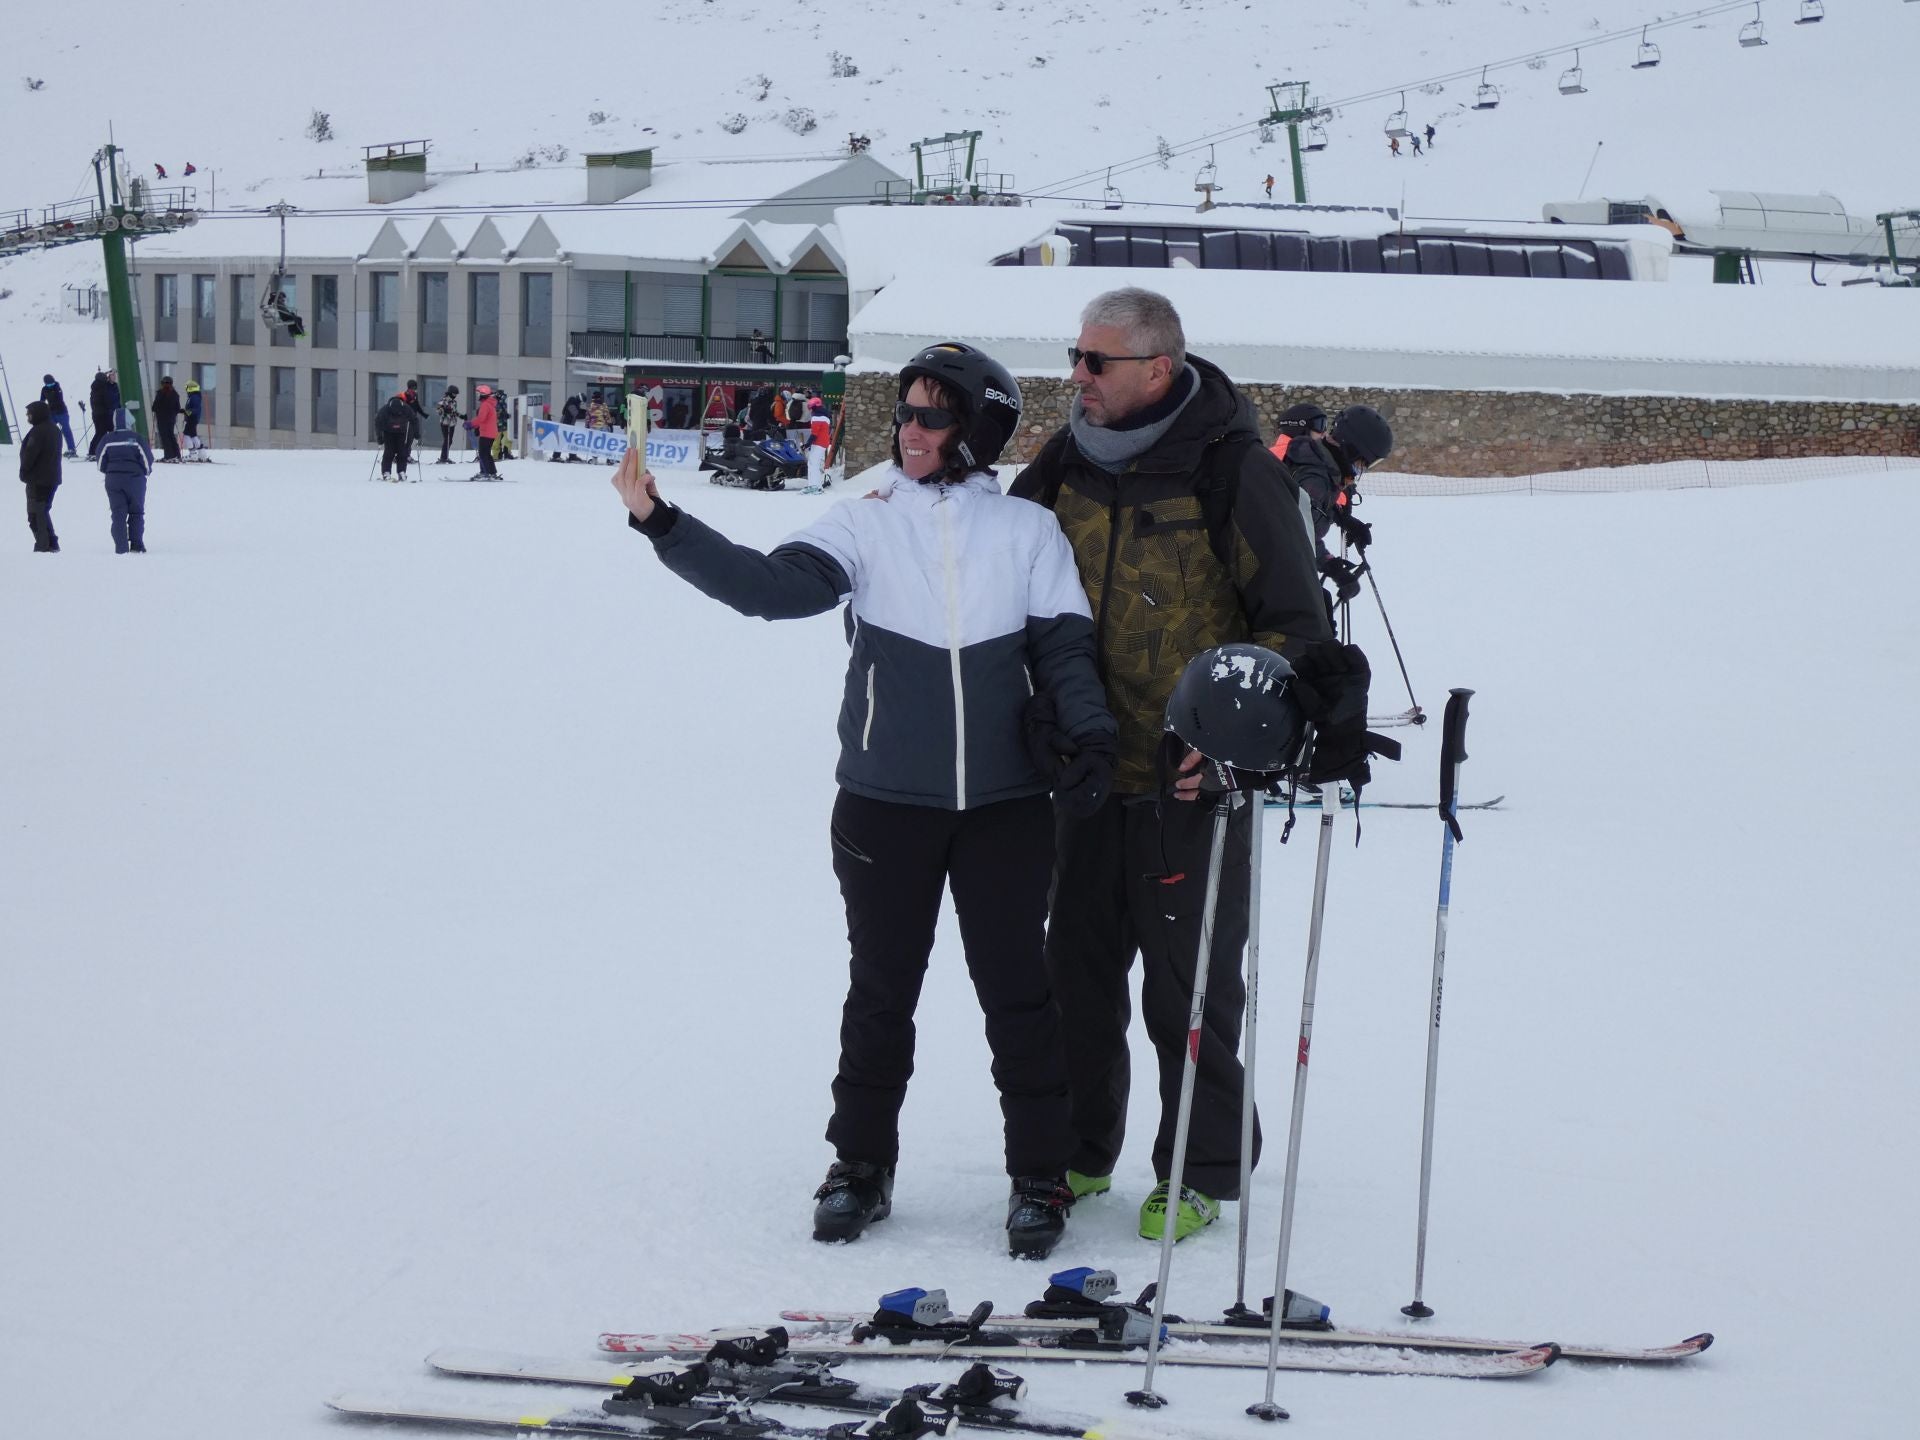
[(486, 429)]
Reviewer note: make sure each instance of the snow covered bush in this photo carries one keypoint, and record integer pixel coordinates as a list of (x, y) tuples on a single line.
[(319, 127), (842, 66), (734, 123), (800, 120)]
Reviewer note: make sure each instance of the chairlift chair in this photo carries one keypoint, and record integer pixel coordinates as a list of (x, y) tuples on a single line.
[(1487, 97), (1649, 53), (1316, 136), (274, 310), (1811, 12), (1110, 197), (1204, 179), (1572, 81), (1397, 121), (1754, 32)]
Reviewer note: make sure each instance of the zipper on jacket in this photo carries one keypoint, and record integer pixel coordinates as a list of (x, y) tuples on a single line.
[(1106, 583), (953, 655), (866, 731)]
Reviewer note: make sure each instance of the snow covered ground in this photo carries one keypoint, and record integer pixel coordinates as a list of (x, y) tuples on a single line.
[(419, 930)]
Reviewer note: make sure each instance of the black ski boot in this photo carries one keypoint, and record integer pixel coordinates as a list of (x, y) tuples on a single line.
[(1037, 1213), (854, 1195)]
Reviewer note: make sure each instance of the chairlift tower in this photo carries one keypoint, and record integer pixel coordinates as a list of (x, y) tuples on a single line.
[(111, 220), (1909, 219), (1291, 107)]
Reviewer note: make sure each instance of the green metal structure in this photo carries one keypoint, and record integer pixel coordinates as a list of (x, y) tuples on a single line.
[(1291, 108), (112, 219), (1886, 222)]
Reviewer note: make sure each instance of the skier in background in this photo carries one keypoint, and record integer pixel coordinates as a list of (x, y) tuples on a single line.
[(394, 426), (486, 429), (1416, 143), (126, 462), (56, 403), (449, 414), (1393, 144), (102, 400), (1326, 467), (1268, 182), (927, 803), (166, 414), (40, 473), (195, 407), (1429, 137)]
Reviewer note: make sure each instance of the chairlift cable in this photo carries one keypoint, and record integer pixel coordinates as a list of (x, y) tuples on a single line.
[(1047, 191)]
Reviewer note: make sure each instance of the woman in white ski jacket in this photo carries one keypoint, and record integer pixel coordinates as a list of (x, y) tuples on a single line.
[(962, 603)]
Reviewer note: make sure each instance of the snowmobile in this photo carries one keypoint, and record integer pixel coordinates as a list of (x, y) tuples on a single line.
[(761, 460)]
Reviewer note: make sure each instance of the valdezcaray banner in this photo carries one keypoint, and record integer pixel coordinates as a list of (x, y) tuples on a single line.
[(666, 449)]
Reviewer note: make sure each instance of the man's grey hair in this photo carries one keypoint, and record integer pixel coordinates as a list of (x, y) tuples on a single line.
[(1151, 323)]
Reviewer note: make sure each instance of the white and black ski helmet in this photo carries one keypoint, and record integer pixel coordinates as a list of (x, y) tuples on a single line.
[(1235, 705), (1363, 434), (988, 396)]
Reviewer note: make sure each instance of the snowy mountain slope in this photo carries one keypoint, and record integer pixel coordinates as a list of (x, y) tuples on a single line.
[(1059, 89), (419, 930)]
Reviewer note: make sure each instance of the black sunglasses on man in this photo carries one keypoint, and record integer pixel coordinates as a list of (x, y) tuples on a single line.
[(1097, 363)]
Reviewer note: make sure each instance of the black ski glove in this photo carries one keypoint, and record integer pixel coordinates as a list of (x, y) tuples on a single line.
[(1047, 743), (1087, 780), (1359, 534), (1080, 771), (1330, 682), (1344, 574)]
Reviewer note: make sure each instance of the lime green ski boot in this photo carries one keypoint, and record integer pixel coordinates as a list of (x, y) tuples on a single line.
[(1086, 1185), (1197, 1211)]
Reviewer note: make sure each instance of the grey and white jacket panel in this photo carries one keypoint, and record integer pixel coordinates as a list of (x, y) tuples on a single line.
[(961, 601)]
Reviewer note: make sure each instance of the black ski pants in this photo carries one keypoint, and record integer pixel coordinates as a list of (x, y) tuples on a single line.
[(40, 516), (446, 444), (396, 453), (1132, 879), (893, 862)]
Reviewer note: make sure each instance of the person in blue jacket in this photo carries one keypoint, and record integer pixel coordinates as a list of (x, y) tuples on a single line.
[(56, 403), (125, 459), (962, 602), (194, 407)]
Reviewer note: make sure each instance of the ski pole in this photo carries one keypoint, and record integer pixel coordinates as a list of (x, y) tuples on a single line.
[(1366, 568), (1453, 749), (1196, 1013), (1246, 1076), (1329, 807)]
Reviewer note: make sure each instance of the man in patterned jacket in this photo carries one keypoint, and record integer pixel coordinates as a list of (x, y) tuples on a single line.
[(1188, 534)]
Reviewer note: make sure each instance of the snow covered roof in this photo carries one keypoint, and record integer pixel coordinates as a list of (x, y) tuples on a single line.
[(1435, 331), (691, 215)]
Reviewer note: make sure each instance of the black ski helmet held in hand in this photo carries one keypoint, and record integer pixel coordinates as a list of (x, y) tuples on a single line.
[(1363, 435), (1235, 704), (987, 396)]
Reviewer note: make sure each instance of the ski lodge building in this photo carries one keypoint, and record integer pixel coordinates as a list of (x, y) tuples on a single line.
[(546, 281)]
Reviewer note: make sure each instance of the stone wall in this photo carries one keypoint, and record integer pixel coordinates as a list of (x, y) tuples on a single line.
[(1466, 432)]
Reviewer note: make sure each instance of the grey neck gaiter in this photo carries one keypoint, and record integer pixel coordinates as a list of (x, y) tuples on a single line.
[(1113, 449)]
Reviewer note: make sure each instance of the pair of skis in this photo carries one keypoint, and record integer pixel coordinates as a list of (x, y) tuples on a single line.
[(1075, 1307), (713, 1396)]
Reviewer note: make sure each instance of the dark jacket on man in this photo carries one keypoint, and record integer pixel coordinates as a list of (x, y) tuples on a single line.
[(40, 447), (1150, 542), (103, 399), (40, 451), (166, 405), (1317, 474), (56, 401)]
